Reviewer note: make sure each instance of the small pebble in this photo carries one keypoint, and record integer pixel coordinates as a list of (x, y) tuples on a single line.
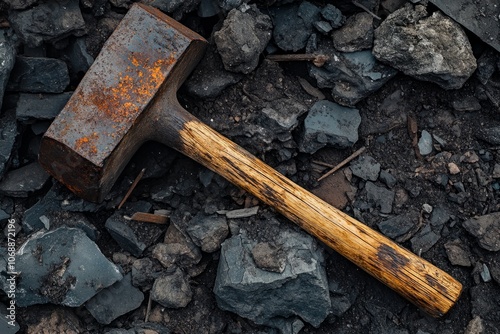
[(427, 208), (453, 168)]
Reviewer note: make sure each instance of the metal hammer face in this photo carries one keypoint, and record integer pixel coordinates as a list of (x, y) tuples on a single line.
[(106, 119)]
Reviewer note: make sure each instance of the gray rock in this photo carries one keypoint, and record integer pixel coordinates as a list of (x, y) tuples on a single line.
[(8, 323), (293, 25), (333, 15), (341, 297), (8, 56), (176, 8), (486, 229), (110, 303), (425, 143), (323, 27), (208, 232), (40, 106), (439, 217), (63, 267), (56, 218), (227, 5), (269, 257), (490, 135), (355, 35), (351, 75), (424, 240), (31, 220), (8, 133), (143, 273), (366, 167), (379, 197), (23, 181), (329, 123), (458, 253), (486, 65), (208, 8), (38, 75), (77, 57), (300, 290), (483, 300), (387, 178), (433, 48), (20, 4), (210, 78), (177, 249), (466, 12), (469, 103), (397, 226), (172, 290), (243, 36), (49, 21)]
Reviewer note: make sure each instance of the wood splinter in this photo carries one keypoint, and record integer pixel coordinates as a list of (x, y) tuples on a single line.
[(148, 218), (343, 163)]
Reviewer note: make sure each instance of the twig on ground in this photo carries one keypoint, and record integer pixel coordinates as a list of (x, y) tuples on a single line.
[(148, 218), (375, 16), (132, 187), (343, 163)]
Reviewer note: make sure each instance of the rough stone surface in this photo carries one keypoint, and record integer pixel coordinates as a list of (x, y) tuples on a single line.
[(329, 123), (457, 254), (114, 301), (366, 167), (24, 181), (8, 56), (355, 35), (490, 135), (172, 290), (269, 257), (40, 106), (8, 133), (176, 249), (425, 143), (424, 240), (380, 197), (333, 15), (433, 48), (48, 22), (300, 290), (63, 267), (486, 229), (38, 75), (177, 9), (397, 226), (208, 232), (243, 36)]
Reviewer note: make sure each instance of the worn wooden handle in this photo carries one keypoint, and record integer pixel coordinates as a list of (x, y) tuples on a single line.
[(422, 283)]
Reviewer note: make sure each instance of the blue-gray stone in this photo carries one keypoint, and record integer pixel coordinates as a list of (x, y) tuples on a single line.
[(8, 133), (23, 181), (333, 15), (176, 8), (425, 143), (424, 240), (63, 267), (329, 123), (208, 8), (38, 75), (396, 226), (7, 59), (48, 22), (208, 232), (124, 235), (323, 27), (301, 290), (31, 220), (366, 167), (77, 57), (8, 323), (40, 106), (387, 178), (114, 301), (486, 229), (352, 76), (379, 197)]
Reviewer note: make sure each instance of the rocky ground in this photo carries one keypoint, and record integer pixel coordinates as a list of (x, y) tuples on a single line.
[(412, 89)]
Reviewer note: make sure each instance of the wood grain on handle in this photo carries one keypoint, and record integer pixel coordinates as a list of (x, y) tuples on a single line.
[(422, 283)]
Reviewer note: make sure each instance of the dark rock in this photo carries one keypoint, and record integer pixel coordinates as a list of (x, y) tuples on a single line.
[(439, 217), (208, 8), (49, 21), (40, 106), (208, 232), (114, 301), (77, 57), (23, 181), (458, 253), (387, 178), (351, 75), (177, 249), (172, 290), (8, 324), (50, 319), (433, 48), (469, 103), (210, 78), (466, 12), (486, 65), (293, 25), (490, 135), (63, 267), (323, 27), (38, 75), (355, 35), (342, 298), (329, 123), (8, 56), (269, 257), (243, 36), (300, 290), (56, 218), (20, 4), (333, 15), (486, 229), (143, 273), (31, 220), (227, 5), (424, 240), (366, 168), (8, 133), (379, 197), (484, 304), (397, 226), (176, 8)]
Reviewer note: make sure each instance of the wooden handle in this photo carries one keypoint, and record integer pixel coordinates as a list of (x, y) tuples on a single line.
[(416, 279)]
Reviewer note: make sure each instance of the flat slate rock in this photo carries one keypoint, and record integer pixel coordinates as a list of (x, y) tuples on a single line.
[(8, 133), (38, 75), (24, 181), (8, 56), (486, 229), (110, 303), (62, 267), (40, 106)]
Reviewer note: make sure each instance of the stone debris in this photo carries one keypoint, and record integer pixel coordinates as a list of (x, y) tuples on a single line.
[(397, 226), (380, 197), (329, 123), (24, 181), (110, 303), (408, 36), (8, 134), (64, 267), (243, 36), (208, 232), (8, 56), (355, 35), (486, 229), (425, 143), (457, 253), (366, 168), (177, 248), (40, 106), (172, 289)]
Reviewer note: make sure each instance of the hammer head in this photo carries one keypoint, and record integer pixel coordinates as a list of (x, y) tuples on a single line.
[(92, 139)]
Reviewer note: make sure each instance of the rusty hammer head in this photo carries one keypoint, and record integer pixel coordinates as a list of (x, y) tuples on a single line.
[(106, 120)]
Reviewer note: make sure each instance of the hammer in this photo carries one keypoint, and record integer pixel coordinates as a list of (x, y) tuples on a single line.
[(128, 97)]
